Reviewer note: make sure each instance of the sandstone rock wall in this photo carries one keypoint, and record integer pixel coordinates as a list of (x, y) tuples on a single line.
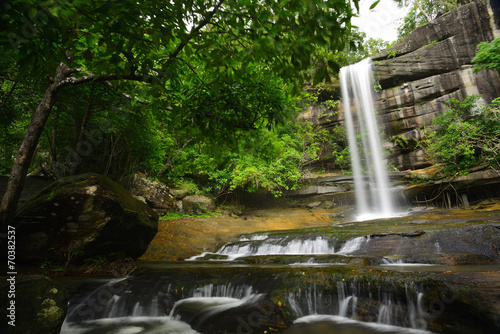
[(419, 74)]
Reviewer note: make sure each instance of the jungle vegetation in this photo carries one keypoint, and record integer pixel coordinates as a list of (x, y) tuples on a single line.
[(201, 90)]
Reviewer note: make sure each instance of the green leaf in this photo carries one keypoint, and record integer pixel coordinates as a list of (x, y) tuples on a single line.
[(374, 4), (188, 50)]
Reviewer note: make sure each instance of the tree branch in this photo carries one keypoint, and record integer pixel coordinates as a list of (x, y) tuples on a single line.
[(423, 11), (193, 32), (105, 77)]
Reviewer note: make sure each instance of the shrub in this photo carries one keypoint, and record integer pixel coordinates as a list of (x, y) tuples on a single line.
[(465, 135)]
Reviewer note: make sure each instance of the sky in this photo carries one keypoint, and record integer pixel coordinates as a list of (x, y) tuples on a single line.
[(382, 21)]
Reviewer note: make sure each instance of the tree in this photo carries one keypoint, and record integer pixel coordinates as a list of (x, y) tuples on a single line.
[(147, 49), (422, 12)]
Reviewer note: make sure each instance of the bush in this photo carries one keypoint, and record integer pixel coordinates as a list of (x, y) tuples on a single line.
[(487, 56), (465, 136)]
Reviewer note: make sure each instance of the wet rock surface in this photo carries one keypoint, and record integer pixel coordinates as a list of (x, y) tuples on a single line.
[(428, 236)]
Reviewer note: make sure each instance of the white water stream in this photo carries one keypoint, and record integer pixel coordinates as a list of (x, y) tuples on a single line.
[(373, 196)]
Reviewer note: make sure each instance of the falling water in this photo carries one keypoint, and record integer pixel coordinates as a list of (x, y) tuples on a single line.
[(373, 197)]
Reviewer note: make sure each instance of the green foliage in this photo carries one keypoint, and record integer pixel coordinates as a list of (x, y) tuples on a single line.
[(174, 37), (400, 141), (465, 136), (18, 99), (180, 215), (180, 87), (224, 108), (356, 48), (96, 262), (416, 18), (429, 44), (264, 159), (487, 56), (392, 54)]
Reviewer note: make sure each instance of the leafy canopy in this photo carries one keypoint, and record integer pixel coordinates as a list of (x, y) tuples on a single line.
[(207, 82), (194, 58), (157, 41)]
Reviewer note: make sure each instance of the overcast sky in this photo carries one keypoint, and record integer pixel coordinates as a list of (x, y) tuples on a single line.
[(381, 22)]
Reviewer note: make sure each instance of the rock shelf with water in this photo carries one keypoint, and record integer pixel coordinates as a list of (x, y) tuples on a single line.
[(222, 298)]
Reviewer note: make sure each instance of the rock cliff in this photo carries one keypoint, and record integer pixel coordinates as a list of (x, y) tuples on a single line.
[(419, 74)]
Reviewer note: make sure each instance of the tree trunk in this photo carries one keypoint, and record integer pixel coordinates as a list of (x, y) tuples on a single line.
[(423, 11), (26, 151)]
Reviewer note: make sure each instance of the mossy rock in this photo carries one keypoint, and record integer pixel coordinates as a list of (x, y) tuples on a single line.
[(197, 204), (85, 215), (40, 305)]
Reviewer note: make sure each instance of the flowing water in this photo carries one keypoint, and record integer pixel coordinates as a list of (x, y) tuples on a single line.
[(373, 195), (191, 298), (351, 277)]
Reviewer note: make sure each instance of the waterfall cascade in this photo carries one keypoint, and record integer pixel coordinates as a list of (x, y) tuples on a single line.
[(373, 197), (394, 307), (156, 304)]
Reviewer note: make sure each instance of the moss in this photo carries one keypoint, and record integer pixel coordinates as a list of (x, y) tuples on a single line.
[(50, 315)]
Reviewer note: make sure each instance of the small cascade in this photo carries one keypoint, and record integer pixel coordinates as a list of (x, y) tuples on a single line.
[(354, 245), (198, 310), (155, 299), (272, 245), (355, 300), (223, 290), (312, 245), (373, 196), (165, 303)]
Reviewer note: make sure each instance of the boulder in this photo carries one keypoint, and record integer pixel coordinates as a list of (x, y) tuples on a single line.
[(314, 205), (156, 194), (179, 193), (197, 204), (83, 216), (252, 314), (40, 305)]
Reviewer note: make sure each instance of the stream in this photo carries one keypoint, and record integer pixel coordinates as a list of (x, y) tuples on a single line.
[(314, 280)]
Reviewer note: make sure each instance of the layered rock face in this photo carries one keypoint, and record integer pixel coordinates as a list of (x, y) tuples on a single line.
[(419, 74)]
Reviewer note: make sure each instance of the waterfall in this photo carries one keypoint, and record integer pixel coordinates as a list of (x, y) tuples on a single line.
[(373, 198)]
